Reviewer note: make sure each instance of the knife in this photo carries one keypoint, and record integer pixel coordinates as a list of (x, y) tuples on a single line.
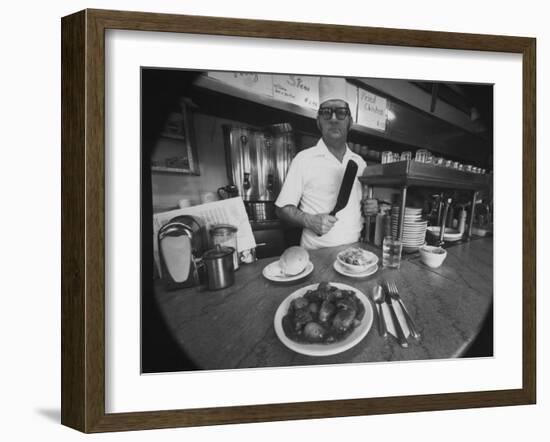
[(345, 187), (398, 330)]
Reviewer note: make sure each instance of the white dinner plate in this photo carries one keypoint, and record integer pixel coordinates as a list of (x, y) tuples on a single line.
[(407, 214), (418, 220), (412, 242), (408, 209), (411, 229), (371, 270), (411, 234), (410, 216), (274, 273), (323, 349), (415, 220), (411, 223)]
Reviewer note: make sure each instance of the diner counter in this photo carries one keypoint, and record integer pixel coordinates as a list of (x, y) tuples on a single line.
[(233, 327)]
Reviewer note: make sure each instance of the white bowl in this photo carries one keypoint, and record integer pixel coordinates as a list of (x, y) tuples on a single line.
[(371, 260), (432, 256)]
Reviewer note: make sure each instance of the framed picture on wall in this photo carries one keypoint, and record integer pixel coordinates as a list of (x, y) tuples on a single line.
[(174, 149), (107, 233)]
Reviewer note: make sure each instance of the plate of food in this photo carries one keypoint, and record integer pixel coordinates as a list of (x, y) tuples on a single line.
[(293, 264), (323, 319), (356, 260)]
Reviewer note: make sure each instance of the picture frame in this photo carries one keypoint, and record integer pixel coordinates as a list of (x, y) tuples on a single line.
[(176, 150), (83, 337)]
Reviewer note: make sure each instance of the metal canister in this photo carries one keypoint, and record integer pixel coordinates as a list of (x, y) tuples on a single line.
[(219, 267), (226, 235)]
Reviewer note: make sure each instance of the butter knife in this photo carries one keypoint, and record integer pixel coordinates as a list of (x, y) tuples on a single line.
[(394, 293), (398, 330)]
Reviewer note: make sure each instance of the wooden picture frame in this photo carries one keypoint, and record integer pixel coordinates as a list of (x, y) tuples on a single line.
[(83, 220)]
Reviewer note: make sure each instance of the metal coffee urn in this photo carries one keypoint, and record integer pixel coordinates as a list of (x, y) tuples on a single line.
[(257, 163)]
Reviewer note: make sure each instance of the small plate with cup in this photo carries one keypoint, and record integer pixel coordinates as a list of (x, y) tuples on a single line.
[(275, 273)]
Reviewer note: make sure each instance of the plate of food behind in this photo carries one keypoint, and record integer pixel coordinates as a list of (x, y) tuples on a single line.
[(323, 319)]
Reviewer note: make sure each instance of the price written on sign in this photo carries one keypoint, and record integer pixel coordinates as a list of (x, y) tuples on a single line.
[(372, 111), (297, 89)]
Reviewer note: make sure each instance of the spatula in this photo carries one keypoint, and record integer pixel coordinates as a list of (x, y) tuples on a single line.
[(345, 187)]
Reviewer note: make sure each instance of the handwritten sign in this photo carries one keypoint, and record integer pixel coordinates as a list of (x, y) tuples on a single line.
[(351, 95), (297, 89), (248, 81), (372, 110)]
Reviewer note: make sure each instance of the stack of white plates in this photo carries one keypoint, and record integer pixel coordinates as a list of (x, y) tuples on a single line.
[(414, 228)]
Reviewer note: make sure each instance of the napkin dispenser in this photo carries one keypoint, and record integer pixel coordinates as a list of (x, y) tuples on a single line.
[(181, 244)]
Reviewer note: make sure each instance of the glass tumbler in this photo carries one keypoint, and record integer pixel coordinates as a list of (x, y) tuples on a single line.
[(391, 252)]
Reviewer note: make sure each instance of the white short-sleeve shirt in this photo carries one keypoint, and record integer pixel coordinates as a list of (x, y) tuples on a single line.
[(312, 184)]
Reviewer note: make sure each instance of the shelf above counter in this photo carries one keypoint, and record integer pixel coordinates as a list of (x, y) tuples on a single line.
[(214, 85), (409, 128), (413, 173)]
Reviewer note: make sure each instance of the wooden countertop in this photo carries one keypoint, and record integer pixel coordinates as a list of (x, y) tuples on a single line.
[(233, 327)]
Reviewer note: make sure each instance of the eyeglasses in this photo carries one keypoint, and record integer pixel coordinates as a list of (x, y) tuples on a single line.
[(340, 112)]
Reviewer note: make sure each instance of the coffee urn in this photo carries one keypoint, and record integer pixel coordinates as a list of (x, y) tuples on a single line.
[(257, 163)]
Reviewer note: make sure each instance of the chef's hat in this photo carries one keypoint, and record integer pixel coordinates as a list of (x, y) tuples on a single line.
[(332, 88)]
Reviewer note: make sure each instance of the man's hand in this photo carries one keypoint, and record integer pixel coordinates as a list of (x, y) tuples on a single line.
[(370, 206), (321, 223)]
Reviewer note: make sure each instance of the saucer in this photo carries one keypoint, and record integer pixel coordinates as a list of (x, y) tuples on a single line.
[(274, 273)]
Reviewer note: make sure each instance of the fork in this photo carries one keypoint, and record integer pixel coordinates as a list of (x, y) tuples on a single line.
[(394, 294)]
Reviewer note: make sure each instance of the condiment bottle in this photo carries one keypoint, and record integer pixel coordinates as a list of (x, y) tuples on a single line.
[(462, 221), (387, 226), (379, 228)]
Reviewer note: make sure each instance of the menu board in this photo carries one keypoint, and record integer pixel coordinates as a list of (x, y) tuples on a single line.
[(248, 81), (301, 90), (371, 110), (297, 89)]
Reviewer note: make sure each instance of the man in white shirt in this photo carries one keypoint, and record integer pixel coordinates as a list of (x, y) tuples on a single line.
[(313, 180)]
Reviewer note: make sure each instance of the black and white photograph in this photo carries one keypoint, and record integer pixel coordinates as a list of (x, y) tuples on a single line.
[(299, 220), (243, 221)]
